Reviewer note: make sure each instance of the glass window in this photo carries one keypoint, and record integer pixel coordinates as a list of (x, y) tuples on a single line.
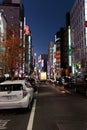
[(11, 87)]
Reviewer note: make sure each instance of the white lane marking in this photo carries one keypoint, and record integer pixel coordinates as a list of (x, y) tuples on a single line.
[(3, 124), (31, 119)]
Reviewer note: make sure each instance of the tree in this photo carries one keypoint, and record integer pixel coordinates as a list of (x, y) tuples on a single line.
[(10, 55)]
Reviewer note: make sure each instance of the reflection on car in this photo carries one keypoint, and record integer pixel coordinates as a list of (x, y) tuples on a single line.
[(16, 94)]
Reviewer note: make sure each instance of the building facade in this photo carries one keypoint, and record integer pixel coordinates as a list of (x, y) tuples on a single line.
[(3, 28), (28, 54), (78, 17), (42, 63), (51, 59), (13, 11)]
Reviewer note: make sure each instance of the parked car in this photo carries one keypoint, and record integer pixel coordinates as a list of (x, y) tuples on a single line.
[(85, 78), (59, 81), (16, 94), (32, 82), (68, 81)]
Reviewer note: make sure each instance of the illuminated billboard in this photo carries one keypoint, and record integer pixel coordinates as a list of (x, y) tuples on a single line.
[(21, 30), (58, 56), (26, 30)]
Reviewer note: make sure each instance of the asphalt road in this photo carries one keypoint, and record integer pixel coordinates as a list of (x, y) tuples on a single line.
[(16, 119), (60, 110), (51, 110)]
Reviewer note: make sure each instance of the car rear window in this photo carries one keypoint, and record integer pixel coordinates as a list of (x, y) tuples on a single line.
[(11, 87)]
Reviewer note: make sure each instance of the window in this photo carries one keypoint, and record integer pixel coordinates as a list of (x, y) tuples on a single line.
[(11, 87)]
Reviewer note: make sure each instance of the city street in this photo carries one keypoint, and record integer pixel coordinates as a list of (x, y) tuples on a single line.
[(43, 65), (51, 109), (60, 111)]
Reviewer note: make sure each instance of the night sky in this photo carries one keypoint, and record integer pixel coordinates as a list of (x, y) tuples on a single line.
[(45, 18)]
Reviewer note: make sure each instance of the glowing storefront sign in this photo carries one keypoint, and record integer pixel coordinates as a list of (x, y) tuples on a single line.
[(69, 44), (27, 30), (21, 30), (42, 63)]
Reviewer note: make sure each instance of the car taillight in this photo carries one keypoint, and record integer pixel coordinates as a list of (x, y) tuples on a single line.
[(24, 93)]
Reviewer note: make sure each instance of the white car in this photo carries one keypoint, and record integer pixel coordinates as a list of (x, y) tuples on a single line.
[(16, 94)]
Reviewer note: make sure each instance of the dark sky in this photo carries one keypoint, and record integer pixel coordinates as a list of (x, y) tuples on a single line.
[(45, 18)]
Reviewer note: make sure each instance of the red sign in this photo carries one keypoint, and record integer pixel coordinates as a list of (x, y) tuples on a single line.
[(85, 23), (27, 30)]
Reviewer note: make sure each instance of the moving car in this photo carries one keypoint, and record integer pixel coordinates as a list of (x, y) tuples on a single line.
[(16, 94)]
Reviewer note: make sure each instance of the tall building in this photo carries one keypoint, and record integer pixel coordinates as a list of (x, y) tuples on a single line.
[(50, 53), (42, 62), (13, 11), (58, 54), (78, 17), (63, 54), (28, 57), (3, 28), (68, 46), (11, 1), (51, 59)]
